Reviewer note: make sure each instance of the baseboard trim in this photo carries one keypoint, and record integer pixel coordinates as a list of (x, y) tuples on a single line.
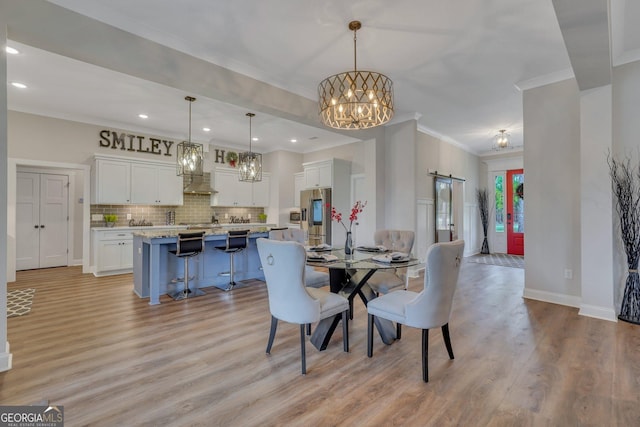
[(597, 312), (552, 297)]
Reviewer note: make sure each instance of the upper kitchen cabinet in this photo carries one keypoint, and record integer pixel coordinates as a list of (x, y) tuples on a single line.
[(233, 192), (155, 185), (111, 182), (122, 182), (326, 173)]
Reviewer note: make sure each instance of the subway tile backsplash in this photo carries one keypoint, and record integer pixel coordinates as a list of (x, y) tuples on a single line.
[(196, 209)]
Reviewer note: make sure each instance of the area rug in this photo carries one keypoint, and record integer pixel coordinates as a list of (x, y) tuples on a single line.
[(503, 260), (19, 302)]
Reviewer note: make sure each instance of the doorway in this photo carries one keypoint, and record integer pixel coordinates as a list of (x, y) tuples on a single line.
[(515, 212), (42, 220)]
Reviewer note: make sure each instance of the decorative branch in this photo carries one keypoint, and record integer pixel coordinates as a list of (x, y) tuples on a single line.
[(626, 189), (482, 195)]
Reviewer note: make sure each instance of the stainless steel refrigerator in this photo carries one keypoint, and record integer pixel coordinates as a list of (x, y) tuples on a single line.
[(315, 218)]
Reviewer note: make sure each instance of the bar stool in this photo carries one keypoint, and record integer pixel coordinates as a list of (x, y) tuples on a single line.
[(236, 242), (188, 246)]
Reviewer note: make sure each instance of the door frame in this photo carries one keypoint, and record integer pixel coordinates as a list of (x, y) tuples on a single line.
[(12, 175)]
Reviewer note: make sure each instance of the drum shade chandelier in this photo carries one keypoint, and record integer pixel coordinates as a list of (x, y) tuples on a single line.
[(355, 99), (189, 156), (501, 140), (250, 163)]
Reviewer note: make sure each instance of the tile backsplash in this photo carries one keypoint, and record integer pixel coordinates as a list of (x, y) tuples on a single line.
[(196, 209)]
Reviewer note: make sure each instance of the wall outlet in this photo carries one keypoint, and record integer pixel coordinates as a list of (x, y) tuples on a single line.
[(568, 273), (129, 216), (96, 217)]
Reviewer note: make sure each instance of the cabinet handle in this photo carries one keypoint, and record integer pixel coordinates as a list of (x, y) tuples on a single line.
[(42, 226), (36, 226)]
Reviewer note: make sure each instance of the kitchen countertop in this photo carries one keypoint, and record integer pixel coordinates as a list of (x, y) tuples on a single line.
[(215, 231)]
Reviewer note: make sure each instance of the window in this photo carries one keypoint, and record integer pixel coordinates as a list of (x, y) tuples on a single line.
[(499, 190)]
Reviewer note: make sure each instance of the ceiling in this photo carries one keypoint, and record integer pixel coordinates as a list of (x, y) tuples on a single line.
[(456, 65)]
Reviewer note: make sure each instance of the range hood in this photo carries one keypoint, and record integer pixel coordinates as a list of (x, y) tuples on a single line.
[(198, 184)]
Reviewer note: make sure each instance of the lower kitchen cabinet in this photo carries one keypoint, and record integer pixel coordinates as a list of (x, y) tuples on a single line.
[(113, 252)]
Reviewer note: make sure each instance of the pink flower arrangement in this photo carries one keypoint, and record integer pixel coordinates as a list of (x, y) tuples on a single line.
[(355, 210)]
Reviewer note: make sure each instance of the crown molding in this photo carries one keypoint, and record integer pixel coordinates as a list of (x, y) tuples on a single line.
[(556, 76)]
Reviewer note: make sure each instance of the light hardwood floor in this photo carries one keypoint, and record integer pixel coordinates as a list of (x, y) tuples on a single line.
[(111, 359)]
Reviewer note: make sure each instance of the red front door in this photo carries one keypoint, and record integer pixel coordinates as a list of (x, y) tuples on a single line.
[(515, 212)]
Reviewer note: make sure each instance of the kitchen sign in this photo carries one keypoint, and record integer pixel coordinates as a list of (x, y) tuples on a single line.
[(161, 147), (139, 143)]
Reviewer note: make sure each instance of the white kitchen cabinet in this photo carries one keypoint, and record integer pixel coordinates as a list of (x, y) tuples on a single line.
[(155, 185), (111, 181), (298, 185), (233, 192), (122, 182), (113, 252), (322, 174), (261, 191)]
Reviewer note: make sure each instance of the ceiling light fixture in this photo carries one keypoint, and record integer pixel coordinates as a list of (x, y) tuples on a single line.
[(143, 116), (11, 50), (206, 129), (189, 156), (250, 163), (19, 85), (355, 99), (501, 140)]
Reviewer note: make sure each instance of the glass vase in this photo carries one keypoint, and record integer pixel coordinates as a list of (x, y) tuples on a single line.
[(348, 244)]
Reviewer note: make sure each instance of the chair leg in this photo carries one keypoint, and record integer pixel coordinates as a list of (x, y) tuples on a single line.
[(308, 328), (425, 354), (302, 350), (232, 283), (272, 333), (370, 336), (398, 330), (345, 331), (351, 308), (447, 339)]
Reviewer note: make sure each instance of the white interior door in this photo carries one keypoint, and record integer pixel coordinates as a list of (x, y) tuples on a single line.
[(54, 220), (42, 220), (27, 221)]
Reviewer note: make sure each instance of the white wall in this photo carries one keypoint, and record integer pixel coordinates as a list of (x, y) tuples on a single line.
[(552, 210)]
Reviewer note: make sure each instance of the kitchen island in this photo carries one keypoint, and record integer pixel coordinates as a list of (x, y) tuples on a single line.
[(154, 267)]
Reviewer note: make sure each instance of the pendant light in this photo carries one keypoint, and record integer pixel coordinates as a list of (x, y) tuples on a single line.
[(190, 155), (250, 163), (355, 99), (501, 140)]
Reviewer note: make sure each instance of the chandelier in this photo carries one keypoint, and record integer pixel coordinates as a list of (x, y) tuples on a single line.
[(250, 163), (355, 99), (189, 155), (501, 140)]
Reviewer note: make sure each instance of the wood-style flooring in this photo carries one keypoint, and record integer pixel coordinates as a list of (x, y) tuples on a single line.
[(92, 345)]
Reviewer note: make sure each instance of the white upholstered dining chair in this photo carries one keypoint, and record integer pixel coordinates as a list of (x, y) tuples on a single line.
[(385, 281), (312, 277), (290, 300), (428, 309)]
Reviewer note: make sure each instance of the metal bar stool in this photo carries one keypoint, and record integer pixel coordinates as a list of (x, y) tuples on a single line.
[(188, 246), (236, 242)]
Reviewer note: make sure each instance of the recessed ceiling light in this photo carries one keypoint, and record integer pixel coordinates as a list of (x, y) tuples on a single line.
[(19, 85), (11, 50), (143, 116), (206, 129), (294, 140), (254, 139)]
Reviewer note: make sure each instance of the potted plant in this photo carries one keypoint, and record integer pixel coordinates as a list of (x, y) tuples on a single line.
[(482, 195), (110, 219), (262, 217)]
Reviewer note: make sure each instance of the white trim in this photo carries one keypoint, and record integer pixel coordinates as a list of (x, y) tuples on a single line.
[(547, 79), (447, 139), (597, 312), (6, 359), (552, 297)]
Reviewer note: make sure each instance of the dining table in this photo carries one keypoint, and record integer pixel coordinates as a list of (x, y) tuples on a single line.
[(348, 276)]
